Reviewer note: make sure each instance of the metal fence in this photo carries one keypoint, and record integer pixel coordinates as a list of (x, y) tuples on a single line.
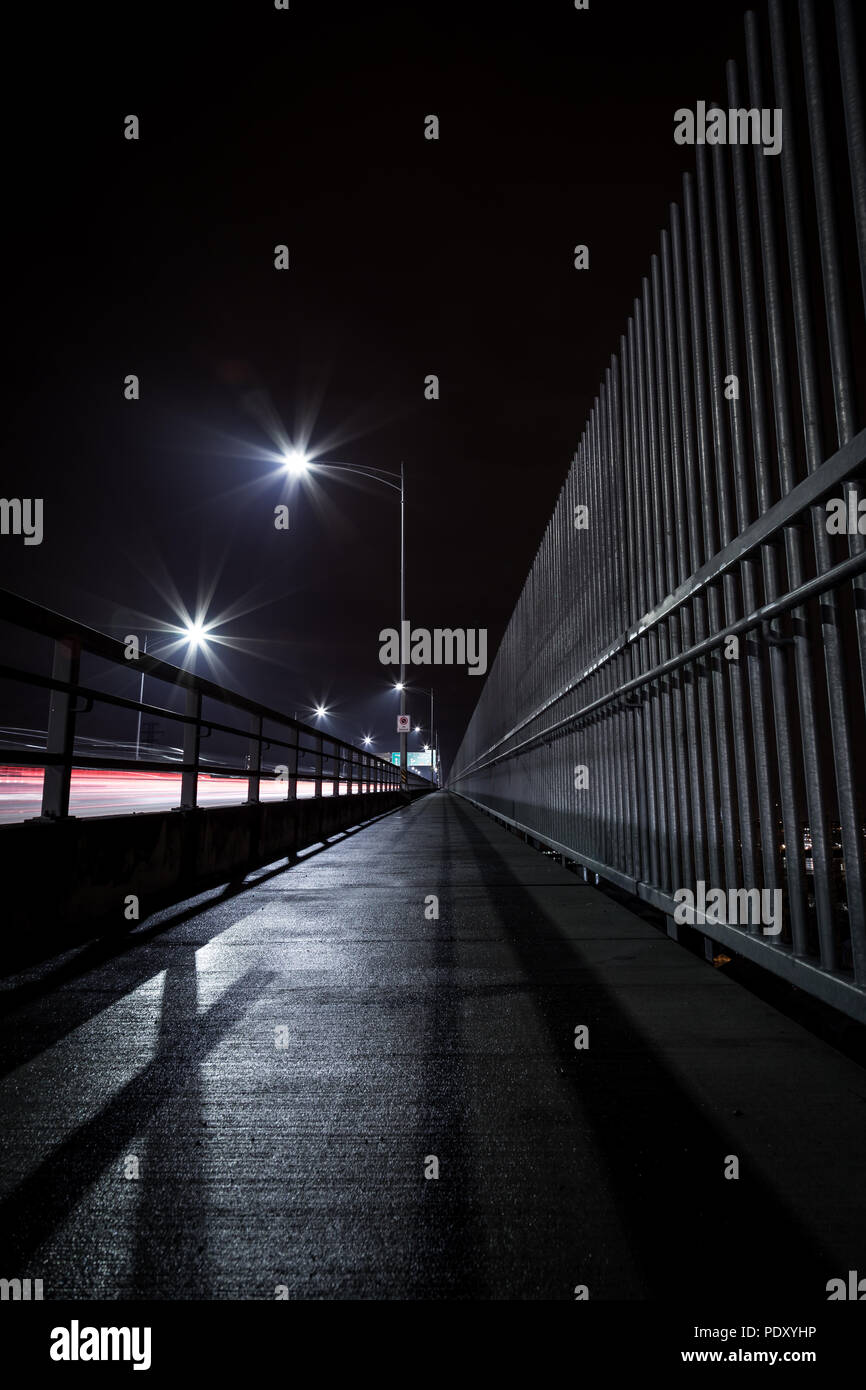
[(678, 699), (274, 746)]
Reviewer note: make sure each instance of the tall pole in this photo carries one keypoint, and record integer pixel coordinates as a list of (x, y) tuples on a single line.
[(432, 746), (402, 620), (141, 702)]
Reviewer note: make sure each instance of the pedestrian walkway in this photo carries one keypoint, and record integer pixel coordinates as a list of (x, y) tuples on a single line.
[(254, 1091)]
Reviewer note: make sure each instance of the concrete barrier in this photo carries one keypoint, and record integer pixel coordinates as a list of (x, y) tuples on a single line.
[(59, 874)]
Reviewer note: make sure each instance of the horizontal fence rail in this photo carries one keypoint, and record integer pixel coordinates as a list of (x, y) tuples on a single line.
[(298, 752), (679, 700)]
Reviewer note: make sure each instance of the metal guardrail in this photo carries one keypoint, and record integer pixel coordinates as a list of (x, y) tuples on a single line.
[(679, 695), (328, 760)]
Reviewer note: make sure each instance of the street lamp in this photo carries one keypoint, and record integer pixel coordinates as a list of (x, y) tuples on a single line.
[(298, 462), (196, 634), (423, 690)]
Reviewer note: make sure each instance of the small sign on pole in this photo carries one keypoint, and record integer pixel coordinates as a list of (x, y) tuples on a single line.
[(403, 723)]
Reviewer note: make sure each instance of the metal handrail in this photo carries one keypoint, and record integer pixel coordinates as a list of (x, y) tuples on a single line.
[(70, 638)]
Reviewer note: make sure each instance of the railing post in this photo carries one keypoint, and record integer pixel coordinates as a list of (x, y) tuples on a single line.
[(191, 745), (61, 729), (317, 763), (255, 759), (292, 789)]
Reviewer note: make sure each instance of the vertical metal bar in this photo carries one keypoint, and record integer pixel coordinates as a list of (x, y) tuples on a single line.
[(292, 766), (594, 730), (813, 441), (191, 746), (763, 746), (721, 783), (678, 777), (656, 433), (657, 440), (255, 759), (642, 842), (812, 770), (618, 758), (852, 87), (689, 676), (580, 540), (844, 392), (610, 542), (844, 395), (794, 867), (707, 781), (627, 667), (318, 764), (563, 653), (60, 740), (642, 653), (743, 807), (590, 730), (653, 592)]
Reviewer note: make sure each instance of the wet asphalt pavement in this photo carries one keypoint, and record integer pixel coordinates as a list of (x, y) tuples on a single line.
[(248, 1092)]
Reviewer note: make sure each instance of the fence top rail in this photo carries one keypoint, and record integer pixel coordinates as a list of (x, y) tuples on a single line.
[(33, 617)]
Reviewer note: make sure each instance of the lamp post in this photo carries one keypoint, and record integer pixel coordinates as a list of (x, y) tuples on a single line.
[(196, 632), (422, 690), (298, 462), (140, 703)]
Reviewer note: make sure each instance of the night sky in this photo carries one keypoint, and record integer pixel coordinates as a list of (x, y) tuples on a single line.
[(407, 257)]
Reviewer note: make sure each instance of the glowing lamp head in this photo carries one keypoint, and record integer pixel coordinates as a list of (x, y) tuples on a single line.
[(196, 634), (398, 685), (296, 461), (367, 738), (321, 711)]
